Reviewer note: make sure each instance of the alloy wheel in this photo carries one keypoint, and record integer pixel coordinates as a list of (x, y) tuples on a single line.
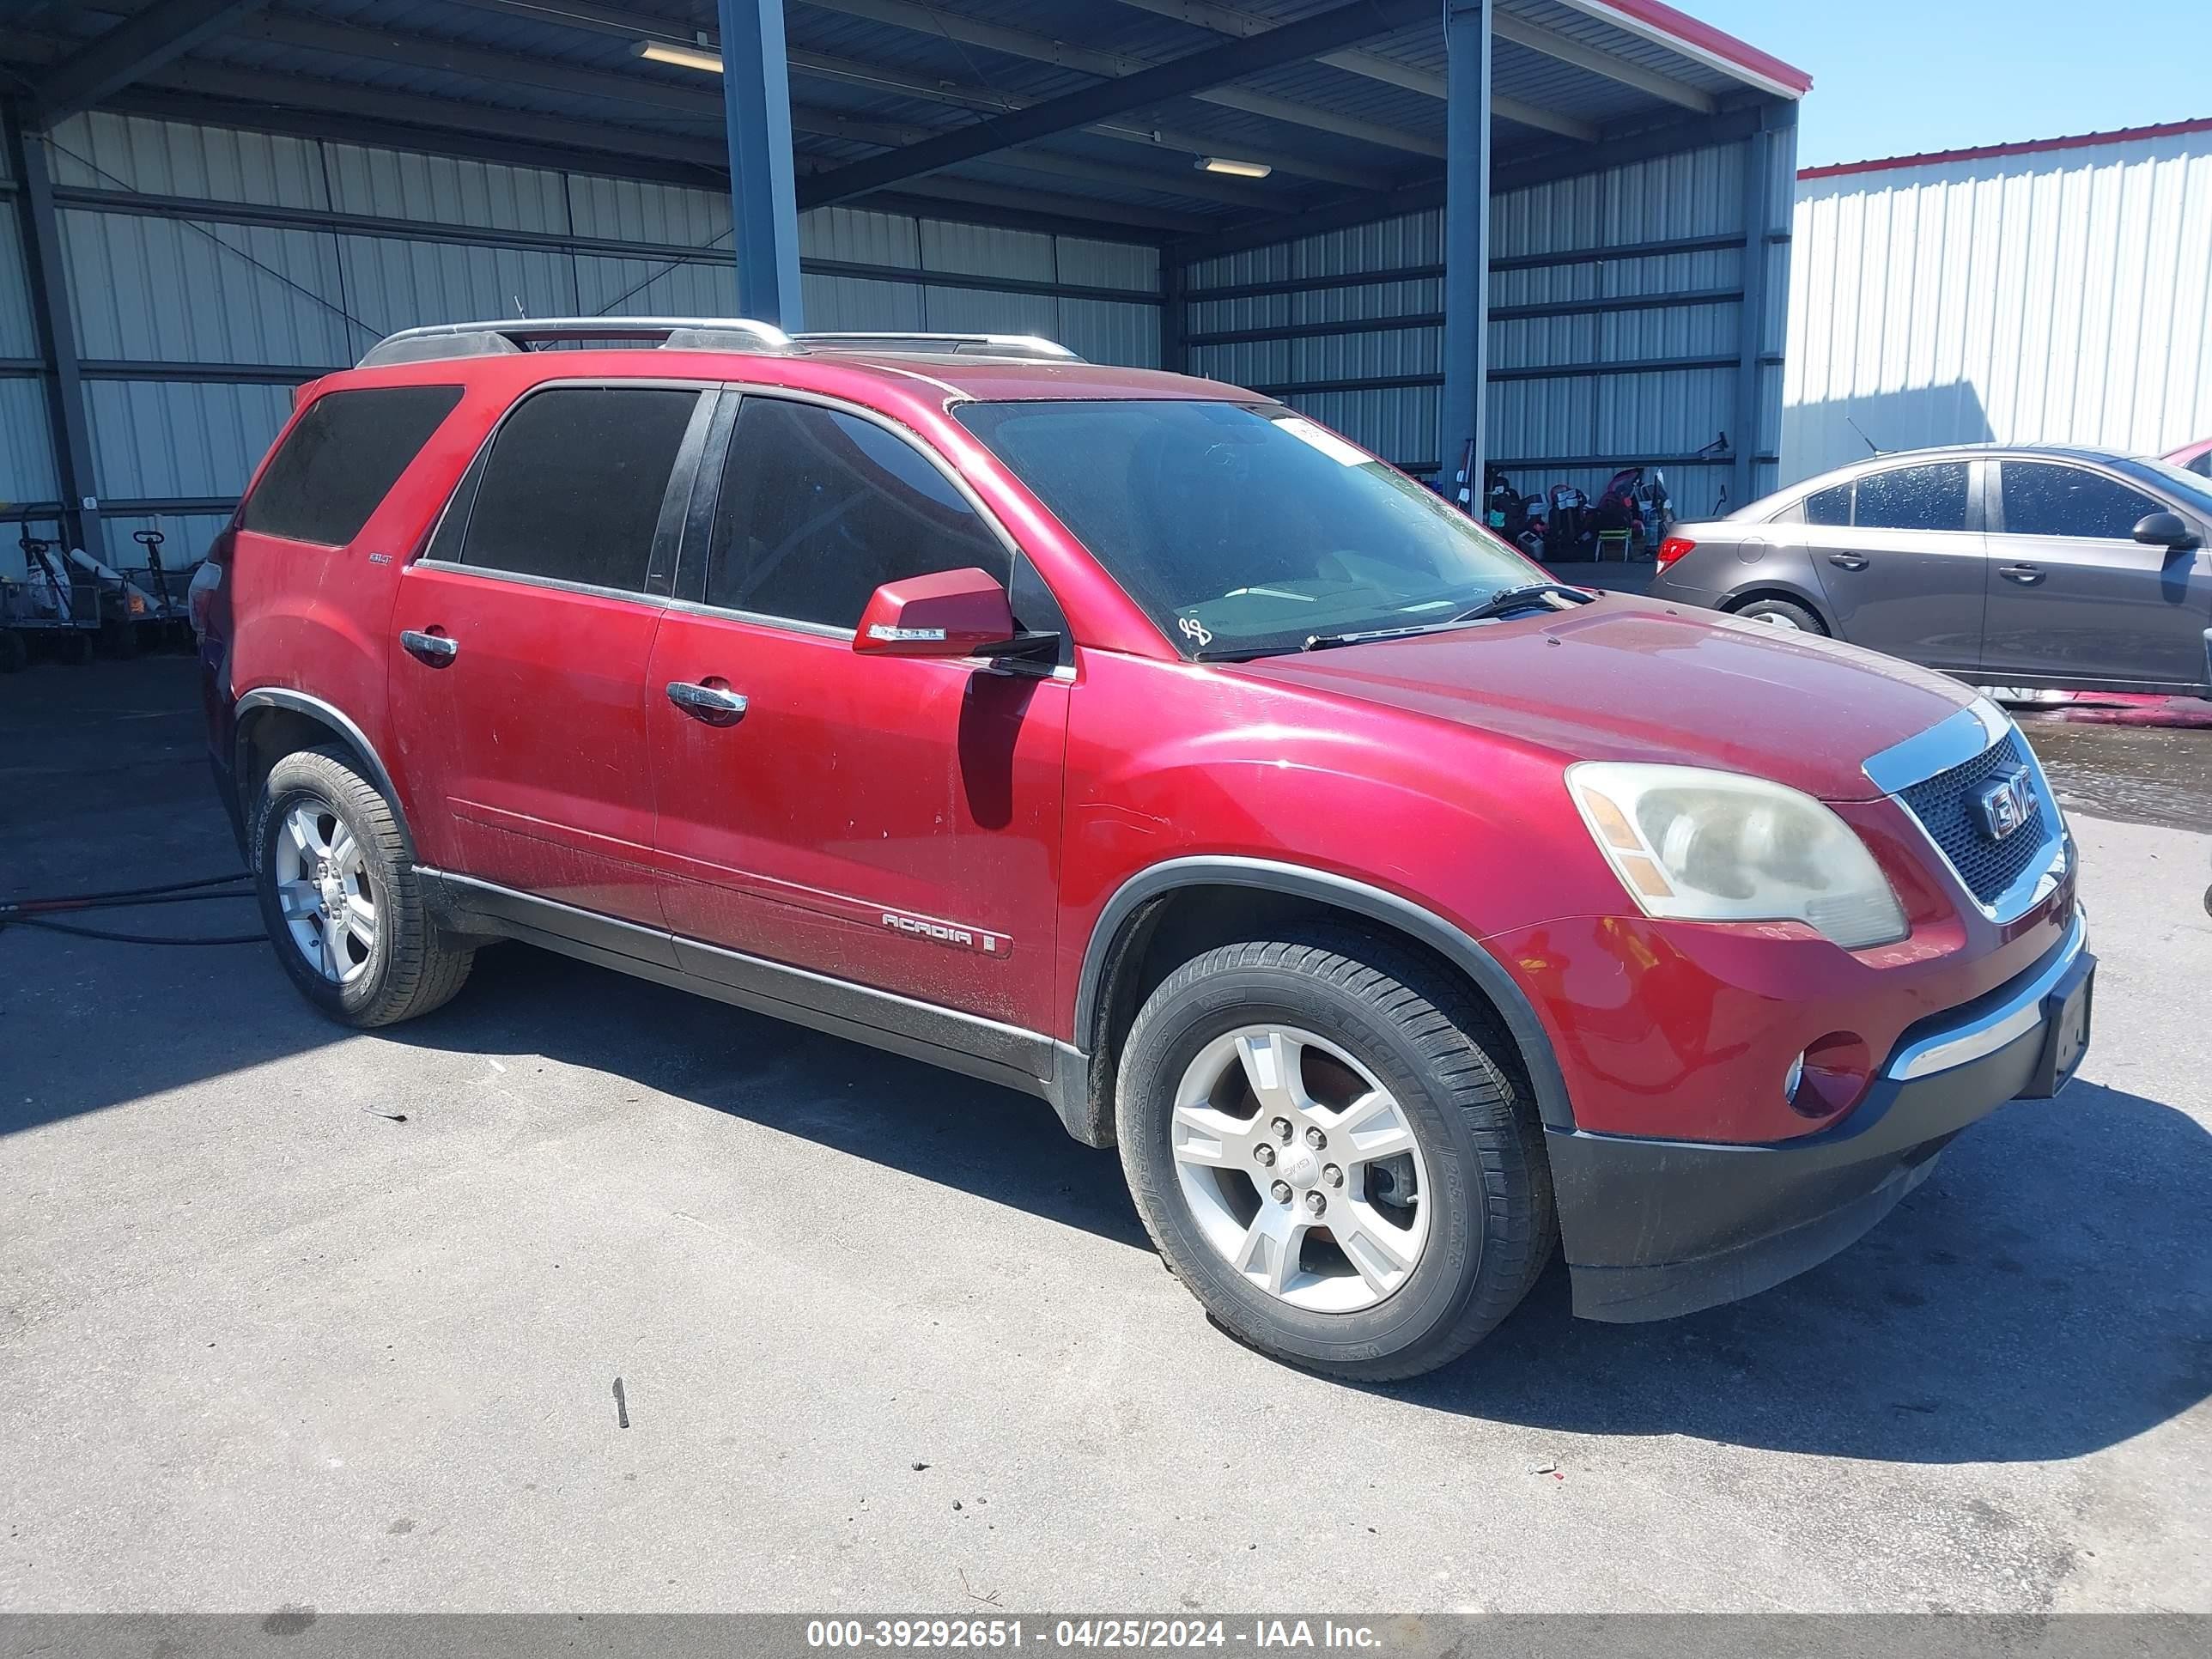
[(323, 888), (1301, 1168)]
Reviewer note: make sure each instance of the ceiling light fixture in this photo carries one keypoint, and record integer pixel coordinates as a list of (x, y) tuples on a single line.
[(1234, 169), (663, 52)]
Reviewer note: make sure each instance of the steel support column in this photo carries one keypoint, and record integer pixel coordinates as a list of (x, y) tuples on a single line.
[(1758, 225), (1467, 242), (764, 198), (56, 333), (1175, 319)]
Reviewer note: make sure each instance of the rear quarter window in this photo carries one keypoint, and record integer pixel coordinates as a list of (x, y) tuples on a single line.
[(340, 460)]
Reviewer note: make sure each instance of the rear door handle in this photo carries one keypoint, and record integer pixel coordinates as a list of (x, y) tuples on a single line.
[(717, 705), (1848, 561), (2025, 574), (435, 649)]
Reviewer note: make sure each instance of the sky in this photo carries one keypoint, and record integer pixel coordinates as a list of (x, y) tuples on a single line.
[(1897, 77)]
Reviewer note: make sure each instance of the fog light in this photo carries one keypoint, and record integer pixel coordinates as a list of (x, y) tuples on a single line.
[(1794, 1078)]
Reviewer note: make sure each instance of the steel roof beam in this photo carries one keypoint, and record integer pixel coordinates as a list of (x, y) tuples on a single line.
[(129, 51), (1557, 47), (1198, 71), (1014, 43), (1372, 65)]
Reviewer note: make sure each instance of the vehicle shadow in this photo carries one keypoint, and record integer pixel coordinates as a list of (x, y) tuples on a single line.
[(974, 1137), (2043, 1295), (2046, 1294)]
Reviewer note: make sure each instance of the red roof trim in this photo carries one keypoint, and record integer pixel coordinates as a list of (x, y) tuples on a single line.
[(1718, 43), (1988, 152)]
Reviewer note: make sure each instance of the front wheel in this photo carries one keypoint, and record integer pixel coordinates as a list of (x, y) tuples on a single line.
[(1331, 1142)]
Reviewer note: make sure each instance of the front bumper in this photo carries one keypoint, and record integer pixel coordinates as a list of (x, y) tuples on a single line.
[(1655, 1228)]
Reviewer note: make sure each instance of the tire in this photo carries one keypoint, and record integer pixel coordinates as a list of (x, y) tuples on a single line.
[(76, 648), (1785, 614), (13, 655), (408, 965), (1455, 1079), (118, 638)]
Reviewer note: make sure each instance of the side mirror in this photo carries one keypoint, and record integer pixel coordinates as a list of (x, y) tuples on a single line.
[(951, 613), (2167, 530)]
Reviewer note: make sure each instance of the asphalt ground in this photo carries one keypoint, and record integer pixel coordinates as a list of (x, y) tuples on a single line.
[(296, 1319)]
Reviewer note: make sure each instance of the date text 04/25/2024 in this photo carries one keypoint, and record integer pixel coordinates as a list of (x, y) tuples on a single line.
[(1104, 1634)]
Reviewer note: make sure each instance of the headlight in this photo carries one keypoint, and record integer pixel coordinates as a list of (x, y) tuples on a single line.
[(1698, 846)]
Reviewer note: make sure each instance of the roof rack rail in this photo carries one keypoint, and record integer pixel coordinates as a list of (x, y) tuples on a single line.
[(511, 336), (964, 345)]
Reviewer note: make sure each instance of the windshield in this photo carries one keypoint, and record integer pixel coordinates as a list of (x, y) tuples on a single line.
[(2194, 489), (1246, 530)]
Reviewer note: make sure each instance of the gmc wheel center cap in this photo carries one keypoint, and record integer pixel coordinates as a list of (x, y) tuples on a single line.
[(1300, 1167)]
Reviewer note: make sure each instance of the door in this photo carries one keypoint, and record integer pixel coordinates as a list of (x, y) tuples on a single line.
[(2075, 598), (521, 640), (1901, 554), (892, 822)]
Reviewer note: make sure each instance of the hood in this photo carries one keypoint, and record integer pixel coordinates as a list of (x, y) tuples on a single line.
[(1633, 679)]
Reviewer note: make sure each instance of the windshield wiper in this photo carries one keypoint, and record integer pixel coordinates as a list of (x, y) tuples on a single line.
[(1497, 605), (1330, 642), (1521, 599)]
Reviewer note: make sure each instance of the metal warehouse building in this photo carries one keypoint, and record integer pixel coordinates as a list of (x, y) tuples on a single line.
[(218, 200), (2043, 293)]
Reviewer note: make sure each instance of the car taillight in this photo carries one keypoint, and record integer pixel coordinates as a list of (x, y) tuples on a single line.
[(199, 596), (1674, 548)]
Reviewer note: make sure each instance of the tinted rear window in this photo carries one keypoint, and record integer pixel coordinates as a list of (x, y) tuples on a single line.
[(341, 459), (575, 484)]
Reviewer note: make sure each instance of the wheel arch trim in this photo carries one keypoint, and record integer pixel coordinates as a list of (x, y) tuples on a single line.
[(299, 702), (1340, 892), (1776, 587)]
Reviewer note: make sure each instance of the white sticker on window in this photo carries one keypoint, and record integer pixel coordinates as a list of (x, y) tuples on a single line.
[(1326, 441)]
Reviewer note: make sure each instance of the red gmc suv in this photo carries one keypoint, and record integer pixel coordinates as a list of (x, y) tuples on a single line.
[(1134, 741)]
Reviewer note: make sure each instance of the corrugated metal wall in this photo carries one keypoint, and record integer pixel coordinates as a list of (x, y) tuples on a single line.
[(2060, 296), (1616, 334), (210, 269)]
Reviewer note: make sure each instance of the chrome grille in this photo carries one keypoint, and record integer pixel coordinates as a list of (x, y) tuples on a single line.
[(1945, 805)]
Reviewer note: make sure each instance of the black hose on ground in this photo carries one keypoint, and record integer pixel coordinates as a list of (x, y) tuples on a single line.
[(39, 912)]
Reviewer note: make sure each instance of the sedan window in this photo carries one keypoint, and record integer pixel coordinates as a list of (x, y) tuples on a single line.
[(1932, 497), (2044, 500)]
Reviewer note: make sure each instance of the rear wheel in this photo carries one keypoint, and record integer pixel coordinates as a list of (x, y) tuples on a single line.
[(1330, 1141), (1786, 614), (340, 897)]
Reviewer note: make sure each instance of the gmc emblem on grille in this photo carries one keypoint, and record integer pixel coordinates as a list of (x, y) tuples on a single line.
[(2005, 805)]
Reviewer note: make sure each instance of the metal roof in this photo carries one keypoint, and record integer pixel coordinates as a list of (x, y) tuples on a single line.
[(872, 77), (1996, 152)]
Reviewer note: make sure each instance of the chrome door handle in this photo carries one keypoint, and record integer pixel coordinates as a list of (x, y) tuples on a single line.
[(1848, 561), (717, 705), (2025, 574), (435, 649)]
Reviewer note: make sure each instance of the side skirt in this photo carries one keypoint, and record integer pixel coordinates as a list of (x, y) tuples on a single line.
[(977, 1048)]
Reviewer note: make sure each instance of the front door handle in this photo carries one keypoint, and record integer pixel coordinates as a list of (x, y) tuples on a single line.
[(435, 649), (1848, 561), (2025, 574), (717, 705)]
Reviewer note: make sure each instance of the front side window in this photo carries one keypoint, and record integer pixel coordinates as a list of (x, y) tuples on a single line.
[(573, 488), (820, 509), (1243, 529), (1932, 497), (2044, 500), (340, 460)]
